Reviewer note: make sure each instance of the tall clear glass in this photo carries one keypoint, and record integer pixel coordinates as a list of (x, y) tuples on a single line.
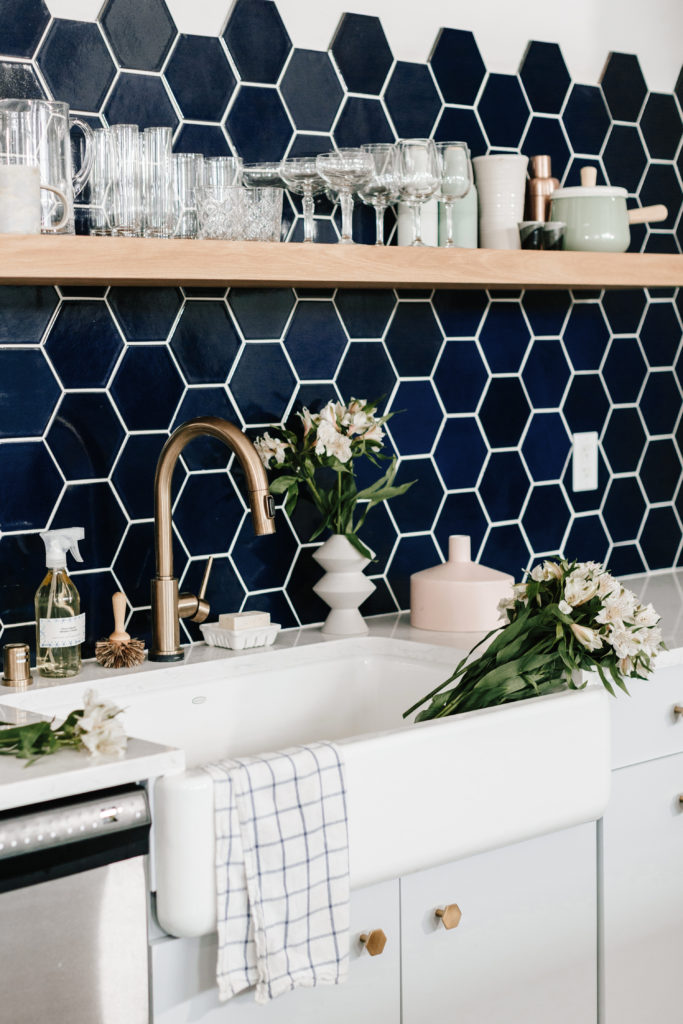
[(381, 189), (301, 177), (419, 177), (188, 174), (126, 193), (101, 183), (456, 180), (223, 171), (157, 180), (345, 171)]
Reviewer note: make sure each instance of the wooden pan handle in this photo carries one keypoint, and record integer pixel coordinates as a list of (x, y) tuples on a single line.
[(118, 603), (647, 214)]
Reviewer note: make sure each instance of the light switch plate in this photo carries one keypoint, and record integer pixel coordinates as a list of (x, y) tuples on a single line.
[(585, 461)]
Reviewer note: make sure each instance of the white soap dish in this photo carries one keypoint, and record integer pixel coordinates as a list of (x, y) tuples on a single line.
[(239, 639)]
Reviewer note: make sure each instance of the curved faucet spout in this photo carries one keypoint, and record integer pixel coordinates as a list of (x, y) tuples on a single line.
[(167, 604)]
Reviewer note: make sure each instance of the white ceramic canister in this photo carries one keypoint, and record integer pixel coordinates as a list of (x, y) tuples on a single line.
[(501, 183)]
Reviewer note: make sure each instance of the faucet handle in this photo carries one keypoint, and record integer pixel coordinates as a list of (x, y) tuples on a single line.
[(196, 608)]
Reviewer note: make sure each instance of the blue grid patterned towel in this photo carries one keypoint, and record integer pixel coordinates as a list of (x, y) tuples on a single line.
[(282, 871)]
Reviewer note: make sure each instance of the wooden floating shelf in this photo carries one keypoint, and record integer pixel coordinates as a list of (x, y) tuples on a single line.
[(72, 260)]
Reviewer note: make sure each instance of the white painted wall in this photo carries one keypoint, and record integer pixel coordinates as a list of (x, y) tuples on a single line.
[(587, 30)]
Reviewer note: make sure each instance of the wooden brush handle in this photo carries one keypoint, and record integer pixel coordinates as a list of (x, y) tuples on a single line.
[(118, 603)]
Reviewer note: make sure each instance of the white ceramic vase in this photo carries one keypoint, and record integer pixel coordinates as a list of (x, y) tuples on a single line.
[(343, 587), (501, 181)]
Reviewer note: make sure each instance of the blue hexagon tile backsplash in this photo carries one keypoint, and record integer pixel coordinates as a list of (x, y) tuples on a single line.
[(491, 386)]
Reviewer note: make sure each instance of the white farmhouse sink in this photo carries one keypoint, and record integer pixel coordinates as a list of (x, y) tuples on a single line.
[(418, 795)]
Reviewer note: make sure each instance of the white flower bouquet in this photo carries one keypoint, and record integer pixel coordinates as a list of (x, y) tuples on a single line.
[(567, 617), (94, 728), (330, 441)]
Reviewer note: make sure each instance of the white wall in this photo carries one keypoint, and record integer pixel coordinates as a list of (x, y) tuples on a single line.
[(587, 30)]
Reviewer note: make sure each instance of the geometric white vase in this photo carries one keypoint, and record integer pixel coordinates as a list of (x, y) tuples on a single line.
[(343, 587)]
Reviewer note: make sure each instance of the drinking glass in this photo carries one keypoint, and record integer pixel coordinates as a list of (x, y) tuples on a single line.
[(157, 198), (126, 190), (101, 183), (300, 175), (419, 177), (381, 190), (220, 211), (261, 214), (262, 175), (223, 171), (345, 171), (188, 174), (456, 180)]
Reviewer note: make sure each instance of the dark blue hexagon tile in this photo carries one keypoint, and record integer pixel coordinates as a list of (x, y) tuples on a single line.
[(504, 337), (264, 562), (78, 328), (140, 34), (133, 476), (586, 336), (545, 135), (261, 313), (19, 81), (206, 452), (460, 312), (661, 126), (660, 402), (22, 23), (504, 412), (250, 24), (624, 508), (457, 66), (461, 123), (503, 110), (661, 185), (624, 86), (586, 403), (261, 106), (660, 538), (624, 370), (205, 342), (624, 440), (461, 513), (545, 77), (412, 554), (412, 100), (361, 52), (262, 383), (506, 549), (28, 392), (503, 487), (366, 371), (76, 63), (362, 120), (660, 471), (94, 507), (208, 139), (546, 446), (460, 453), (586, 118), (460, 376), (200, 78), (311, 89), (143, 408), (22, 562), (546, 373), (25, 506), (315, 340), (587, 540), (414, 339), (546, 518), (418, 417), (365, 312), (624, 157), (85, 435), (144, 315), (660, 334), (141, 100)]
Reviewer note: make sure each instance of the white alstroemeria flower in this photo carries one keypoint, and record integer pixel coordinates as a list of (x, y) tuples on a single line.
[(333, 413), (625, 666), (309, 421), (565, 608), (271, 448), (99, 729), (519, 592), (650, 639), (591, 640), (645, 615), (577, 590), (626, 644), (607, 585), (503, 605), (375, 433), (615, 609), (546, 571), (330, 442)]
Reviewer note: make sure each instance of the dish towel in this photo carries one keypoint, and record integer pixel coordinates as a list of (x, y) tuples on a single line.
[(282, 871)]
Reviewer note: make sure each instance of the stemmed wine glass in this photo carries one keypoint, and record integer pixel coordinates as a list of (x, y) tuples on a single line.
[(301, 177), (381, 189), (456, 180), (345, 171), (418, 178)]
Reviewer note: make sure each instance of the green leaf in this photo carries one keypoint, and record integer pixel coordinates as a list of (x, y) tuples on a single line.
[(281, 483)]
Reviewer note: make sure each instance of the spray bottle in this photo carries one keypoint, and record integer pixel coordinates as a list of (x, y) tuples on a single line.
[(60, 626)]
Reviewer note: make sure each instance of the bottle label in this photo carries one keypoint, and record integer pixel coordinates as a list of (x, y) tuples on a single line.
[(64, 632)]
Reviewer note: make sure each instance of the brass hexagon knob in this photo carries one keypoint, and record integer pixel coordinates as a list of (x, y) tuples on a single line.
[(374, 941), (449, 915), (678, 709)]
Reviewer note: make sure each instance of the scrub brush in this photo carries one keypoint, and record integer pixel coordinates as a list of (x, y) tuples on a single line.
[(119, 651)]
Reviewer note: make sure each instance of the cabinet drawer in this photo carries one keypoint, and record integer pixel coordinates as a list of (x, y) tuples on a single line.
[(645, 725), (184, 978), (642, 895)]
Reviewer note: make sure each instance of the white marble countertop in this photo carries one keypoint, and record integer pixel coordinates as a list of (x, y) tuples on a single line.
[(69, 772)]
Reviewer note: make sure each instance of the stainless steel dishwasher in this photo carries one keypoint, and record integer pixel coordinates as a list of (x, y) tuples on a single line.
[(73, 910)]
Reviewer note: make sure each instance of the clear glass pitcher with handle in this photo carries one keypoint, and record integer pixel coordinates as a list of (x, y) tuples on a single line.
[(38, 132)]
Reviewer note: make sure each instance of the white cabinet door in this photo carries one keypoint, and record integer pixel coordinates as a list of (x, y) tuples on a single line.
[(642, 885), (524, 951), (184, 978)]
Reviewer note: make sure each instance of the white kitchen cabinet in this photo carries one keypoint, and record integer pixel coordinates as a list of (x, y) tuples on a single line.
[(524, 951), (642, 895), (184, 978)]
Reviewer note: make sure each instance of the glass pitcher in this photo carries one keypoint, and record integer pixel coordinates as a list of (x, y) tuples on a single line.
[(47, 127)]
